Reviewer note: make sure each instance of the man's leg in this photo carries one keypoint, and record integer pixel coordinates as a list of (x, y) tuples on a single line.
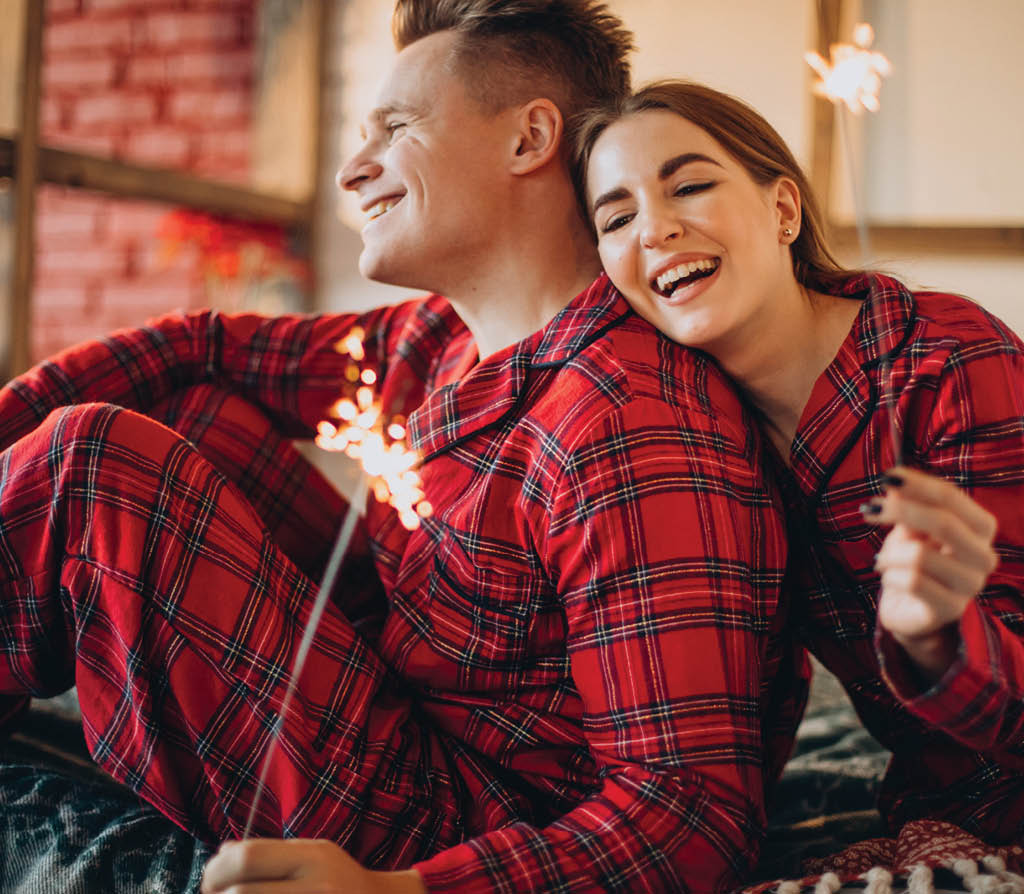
[(129, 565), (298, 506)]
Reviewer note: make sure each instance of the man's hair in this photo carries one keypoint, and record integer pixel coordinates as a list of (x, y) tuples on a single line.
[(573, 52)]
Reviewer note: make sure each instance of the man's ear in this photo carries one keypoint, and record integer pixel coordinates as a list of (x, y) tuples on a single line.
[(538, 137)]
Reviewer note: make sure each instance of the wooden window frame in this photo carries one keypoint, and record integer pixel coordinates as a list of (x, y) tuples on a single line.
[(30, 163), (887, 238)]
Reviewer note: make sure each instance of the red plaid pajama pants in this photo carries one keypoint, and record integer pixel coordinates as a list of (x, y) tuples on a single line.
[(168, 574)]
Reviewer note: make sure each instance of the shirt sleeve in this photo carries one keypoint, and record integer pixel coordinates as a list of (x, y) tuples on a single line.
[(668, 554), (974, 436), (285, 364)]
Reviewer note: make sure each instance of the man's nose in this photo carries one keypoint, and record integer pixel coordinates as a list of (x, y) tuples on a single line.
[(359, 168)]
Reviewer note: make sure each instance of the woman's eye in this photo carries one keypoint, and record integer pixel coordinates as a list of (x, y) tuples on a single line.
[(690, 189), (614, 223), (393, 128)]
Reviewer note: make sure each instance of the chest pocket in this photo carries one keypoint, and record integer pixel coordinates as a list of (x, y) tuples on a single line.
[(481, 616), (503, 630)]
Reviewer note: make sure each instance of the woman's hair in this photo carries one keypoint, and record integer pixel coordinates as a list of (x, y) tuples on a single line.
[(747, 137), (508, 51)]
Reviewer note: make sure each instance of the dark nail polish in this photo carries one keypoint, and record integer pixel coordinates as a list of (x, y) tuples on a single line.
[(893, 480), (870, 508)]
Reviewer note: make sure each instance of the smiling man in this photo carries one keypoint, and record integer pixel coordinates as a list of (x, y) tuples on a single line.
[(561, 680)]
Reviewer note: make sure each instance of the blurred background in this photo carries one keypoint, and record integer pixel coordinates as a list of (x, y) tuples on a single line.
[(167, 154)]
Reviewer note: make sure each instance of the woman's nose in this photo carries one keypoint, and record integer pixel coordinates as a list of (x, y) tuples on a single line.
[(659, 227), (658, 224)]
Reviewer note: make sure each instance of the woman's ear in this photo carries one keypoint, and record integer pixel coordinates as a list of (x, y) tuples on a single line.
[(786, 197), (538, 136)]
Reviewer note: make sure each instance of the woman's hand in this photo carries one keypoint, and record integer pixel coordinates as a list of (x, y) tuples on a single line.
[(933, 562), (298, 866)]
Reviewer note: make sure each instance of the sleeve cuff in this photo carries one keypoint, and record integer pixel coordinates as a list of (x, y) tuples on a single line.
[(956, 701)]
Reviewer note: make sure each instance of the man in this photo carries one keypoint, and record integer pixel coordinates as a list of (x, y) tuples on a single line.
[(566, 683)]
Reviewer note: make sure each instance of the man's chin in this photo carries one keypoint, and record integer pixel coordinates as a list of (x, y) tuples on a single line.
[(384, 269)]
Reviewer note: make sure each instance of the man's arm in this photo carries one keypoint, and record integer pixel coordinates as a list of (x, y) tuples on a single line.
[(285, 364), (667, 553)]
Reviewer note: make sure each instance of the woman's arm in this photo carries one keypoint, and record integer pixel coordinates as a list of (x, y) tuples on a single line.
[(951, 631)]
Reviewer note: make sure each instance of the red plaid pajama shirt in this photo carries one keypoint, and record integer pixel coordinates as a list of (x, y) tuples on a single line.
[(574, 676), (958, 746)]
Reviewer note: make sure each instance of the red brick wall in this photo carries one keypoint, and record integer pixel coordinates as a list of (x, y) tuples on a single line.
[(167, 83)]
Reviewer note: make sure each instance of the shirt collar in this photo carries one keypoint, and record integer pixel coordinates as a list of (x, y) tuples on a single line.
[(885, 320), (848, 392), (494, 388)]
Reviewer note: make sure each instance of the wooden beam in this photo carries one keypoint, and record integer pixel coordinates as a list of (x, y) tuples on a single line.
[(26, 165), (326, 23), (137, 182), (909, 238), (7, 157), (823, 136), (134, 181)]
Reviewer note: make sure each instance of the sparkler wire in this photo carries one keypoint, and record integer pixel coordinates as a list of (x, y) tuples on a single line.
[(851, 170), (341, 544), (888, 392)]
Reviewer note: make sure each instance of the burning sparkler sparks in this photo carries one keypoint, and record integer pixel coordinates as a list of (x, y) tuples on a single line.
[(854, 79), (855, 74), (364, 433)]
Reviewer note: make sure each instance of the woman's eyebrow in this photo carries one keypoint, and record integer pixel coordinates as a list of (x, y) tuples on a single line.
[(666, 170), (669, 167), (613, 195)]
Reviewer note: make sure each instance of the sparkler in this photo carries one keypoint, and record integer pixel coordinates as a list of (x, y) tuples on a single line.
[(364, 433), (853, 77)]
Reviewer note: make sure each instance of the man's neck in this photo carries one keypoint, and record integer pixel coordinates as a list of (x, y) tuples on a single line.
[(519, 292)]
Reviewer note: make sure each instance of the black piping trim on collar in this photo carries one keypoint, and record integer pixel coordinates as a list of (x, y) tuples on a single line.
[(521, 396), (875, 395)]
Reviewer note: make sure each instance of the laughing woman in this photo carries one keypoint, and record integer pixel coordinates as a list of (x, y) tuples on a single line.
[(897, 419)]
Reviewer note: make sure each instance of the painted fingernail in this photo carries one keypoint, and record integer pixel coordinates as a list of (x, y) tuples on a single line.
[(893, 480), (870, 508)]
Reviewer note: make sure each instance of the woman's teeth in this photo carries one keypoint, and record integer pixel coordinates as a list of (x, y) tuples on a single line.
[(667, 281), (381, 207)]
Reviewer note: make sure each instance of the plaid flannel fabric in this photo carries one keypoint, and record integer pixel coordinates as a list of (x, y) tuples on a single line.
[(581, 680), (958, 374)]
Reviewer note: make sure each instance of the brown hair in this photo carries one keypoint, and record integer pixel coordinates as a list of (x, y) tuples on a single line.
[(745, 135), (573, 52)]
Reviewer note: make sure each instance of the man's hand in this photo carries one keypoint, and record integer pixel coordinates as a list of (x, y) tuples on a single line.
[(933, 562), (298, 866)]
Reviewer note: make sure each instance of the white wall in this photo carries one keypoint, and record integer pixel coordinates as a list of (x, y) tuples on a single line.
[(947, 145), (754, 50)]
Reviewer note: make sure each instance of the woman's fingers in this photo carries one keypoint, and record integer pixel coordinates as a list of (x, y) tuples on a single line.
[(943, 524), (935, 560), (919, 559), (921, 487)]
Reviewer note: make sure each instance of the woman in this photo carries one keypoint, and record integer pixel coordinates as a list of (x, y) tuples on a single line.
[(898, 431)]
